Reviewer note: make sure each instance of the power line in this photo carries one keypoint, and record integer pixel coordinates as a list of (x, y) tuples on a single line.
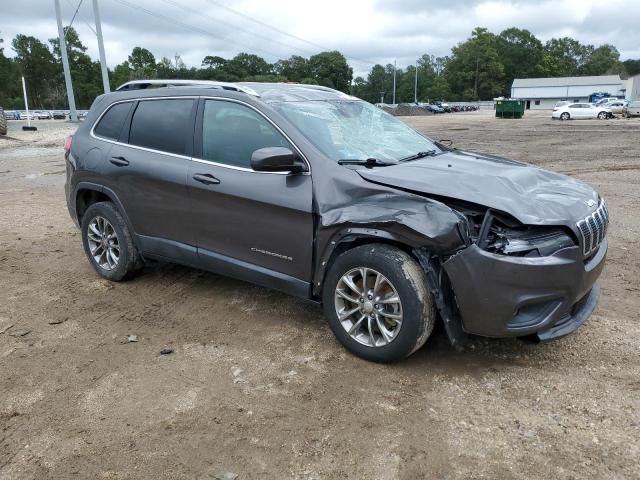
[(74, 14), (190, 27), (83, 19), (283, 32), (235, 27)]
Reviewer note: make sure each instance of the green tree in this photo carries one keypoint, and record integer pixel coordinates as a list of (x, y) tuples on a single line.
[(9, 81), (380, 84), (602, 60), (246, 64), (632, 67), (331, 70), (85, 73), (521, 54), (36, 62), (121, 74), (214, 62), (142, 63), (474, 71), (563, 57), (295, 68)]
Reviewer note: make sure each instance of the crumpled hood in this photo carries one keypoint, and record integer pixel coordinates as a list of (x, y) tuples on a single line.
[(532, 195)]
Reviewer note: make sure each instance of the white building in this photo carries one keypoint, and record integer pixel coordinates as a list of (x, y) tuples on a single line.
[(632, 88), (543, 93)]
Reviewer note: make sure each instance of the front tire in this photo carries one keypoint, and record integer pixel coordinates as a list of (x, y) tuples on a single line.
[(376, 300), (603, 115), (108, 243)]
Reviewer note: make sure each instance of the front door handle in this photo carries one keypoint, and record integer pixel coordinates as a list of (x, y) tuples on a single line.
[(206, 178), (119, 161)]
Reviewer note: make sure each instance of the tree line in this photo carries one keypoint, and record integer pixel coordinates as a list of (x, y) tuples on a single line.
[(479, 68)]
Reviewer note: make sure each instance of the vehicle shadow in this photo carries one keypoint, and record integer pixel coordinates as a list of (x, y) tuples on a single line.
[(436, 356)]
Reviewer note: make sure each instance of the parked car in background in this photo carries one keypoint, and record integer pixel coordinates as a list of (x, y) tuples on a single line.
[(581, 111), (616, 106), (602, 101), (443, 106), (433, 108), (42, 115), (59, 115), (27, 116), (632, 109), (12, 115)]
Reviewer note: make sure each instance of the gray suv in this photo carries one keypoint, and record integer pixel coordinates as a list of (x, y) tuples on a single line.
[(318, 194)]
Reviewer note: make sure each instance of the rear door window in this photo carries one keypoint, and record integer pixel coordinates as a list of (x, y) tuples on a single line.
[(163, 125), (111, 123), (232, 132)]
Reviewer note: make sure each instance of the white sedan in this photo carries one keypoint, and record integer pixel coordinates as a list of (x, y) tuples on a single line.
[(581, 111)]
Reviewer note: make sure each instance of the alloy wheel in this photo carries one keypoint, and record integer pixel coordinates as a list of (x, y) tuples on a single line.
[(103, 243), (368, 307)]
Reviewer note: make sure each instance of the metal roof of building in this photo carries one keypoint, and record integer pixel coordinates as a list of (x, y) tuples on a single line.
[(567, 81)]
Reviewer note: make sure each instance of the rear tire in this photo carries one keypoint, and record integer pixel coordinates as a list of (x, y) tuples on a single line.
[(3, 122), (108, 243), (565, 116), (389, 330)]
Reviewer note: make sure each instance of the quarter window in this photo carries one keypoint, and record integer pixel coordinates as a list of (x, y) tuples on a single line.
[(232, 132), (163, 125), (111, 123)]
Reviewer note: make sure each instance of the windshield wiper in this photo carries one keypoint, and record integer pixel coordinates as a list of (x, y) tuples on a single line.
[(428, 153), (369, 162)]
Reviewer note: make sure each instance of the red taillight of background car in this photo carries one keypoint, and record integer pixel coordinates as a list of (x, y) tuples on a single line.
[(67, 145)]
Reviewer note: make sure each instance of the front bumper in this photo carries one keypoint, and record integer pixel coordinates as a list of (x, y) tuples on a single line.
[(503, 296)]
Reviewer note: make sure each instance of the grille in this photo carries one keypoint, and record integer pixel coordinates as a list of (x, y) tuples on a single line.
[(593, 229)]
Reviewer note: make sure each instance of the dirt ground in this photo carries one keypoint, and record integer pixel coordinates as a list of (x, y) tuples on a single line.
[(258, 386)]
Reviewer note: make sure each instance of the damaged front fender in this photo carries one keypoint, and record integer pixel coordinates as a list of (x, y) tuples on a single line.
[(389, 215)]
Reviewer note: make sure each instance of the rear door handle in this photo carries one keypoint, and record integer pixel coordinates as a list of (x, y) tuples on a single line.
[(119, 161), (206, 178)]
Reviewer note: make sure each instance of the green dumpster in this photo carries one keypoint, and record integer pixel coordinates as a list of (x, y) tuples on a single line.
[(509, 108)]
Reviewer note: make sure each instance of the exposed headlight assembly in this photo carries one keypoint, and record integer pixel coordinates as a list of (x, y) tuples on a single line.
[(505, 235)]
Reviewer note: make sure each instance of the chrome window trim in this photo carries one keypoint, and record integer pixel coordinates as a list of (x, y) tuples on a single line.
[(195, 159)]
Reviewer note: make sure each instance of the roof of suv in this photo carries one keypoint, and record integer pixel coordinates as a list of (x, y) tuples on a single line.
[(267, 92)]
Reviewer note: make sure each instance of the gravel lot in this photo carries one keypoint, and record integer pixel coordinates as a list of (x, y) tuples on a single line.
[(258, 386)]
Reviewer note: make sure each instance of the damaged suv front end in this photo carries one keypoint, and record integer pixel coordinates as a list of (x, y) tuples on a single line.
[(516, 280), (534, 244)]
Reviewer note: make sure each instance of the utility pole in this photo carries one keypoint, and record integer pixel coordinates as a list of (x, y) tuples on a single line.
[(103, 60), (65, 65), (394, 82), (415, 88)]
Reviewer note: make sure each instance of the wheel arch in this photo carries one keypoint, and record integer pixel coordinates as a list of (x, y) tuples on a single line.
[(86, 194), (349, 238)]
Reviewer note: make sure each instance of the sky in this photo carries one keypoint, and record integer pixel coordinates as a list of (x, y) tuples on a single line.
[(365, 31)]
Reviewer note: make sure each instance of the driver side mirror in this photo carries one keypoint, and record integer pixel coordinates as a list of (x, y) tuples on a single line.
[(277, 159)]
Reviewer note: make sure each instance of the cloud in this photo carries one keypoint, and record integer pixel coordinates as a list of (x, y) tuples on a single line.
[(367, 32)]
